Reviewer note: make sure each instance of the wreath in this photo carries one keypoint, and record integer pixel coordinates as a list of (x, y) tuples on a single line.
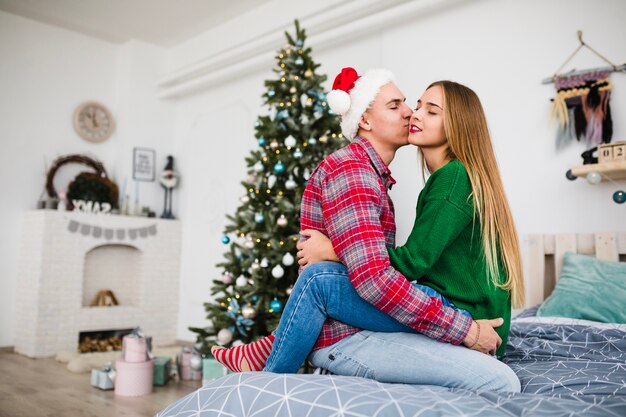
[(87, 186)]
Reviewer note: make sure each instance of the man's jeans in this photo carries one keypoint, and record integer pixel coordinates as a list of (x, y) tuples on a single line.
[(388, 351)]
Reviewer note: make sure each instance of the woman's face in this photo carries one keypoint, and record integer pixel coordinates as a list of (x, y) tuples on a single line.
[(426, 127)]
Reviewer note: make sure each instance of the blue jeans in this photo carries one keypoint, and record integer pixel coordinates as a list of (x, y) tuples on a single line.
[(323, 290)]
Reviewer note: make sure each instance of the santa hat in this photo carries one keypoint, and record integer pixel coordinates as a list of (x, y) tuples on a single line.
[(353, 94)]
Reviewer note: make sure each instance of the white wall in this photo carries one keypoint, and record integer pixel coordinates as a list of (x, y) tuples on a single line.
[(502, 49), (45, 72)]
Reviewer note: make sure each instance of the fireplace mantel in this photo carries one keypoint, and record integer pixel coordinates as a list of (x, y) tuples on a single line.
[(50, 312)]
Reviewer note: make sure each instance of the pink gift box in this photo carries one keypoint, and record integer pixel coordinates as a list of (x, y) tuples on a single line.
[(134, 378), (185, 371), (134, 349)]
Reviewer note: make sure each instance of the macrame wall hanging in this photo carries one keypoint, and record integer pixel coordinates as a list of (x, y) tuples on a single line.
[(582, 102)]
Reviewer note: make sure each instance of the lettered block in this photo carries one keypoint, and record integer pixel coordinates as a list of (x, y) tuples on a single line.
[(605, 153), (619, 151)]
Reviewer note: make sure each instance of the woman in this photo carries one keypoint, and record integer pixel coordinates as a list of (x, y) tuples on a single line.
[(463, 246)]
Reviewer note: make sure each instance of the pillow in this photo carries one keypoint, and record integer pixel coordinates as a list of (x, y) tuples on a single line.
[(588, 289)]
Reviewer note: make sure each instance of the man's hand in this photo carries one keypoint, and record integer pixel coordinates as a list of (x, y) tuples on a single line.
[(317, 247), (482, 336)]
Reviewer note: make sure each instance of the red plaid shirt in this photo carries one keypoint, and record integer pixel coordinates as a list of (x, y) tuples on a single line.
[(346, 199)]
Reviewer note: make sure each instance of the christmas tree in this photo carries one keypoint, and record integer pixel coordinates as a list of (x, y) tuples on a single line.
[(260, 266)]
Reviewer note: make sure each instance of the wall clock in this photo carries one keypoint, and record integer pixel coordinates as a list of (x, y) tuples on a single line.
[(93, 122)]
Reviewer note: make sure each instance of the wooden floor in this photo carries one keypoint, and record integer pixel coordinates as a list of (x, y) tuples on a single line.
[(45, 388)]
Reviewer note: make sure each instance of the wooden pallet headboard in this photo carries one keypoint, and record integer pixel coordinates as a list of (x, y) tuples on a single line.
[(545, 257)]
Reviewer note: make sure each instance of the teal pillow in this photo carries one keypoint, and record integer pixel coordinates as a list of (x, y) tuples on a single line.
[(588, 289)]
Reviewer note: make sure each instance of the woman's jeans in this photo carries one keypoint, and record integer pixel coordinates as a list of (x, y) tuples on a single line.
[(387, 351)]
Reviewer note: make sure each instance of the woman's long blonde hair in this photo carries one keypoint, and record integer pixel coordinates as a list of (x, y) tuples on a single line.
[(469, 142)]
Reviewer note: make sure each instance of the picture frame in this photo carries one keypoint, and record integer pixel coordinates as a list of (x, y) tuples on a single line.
[(143, 164)]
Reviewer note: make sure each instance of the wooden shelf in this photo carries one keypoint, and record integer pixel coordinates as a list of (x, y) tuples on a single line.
[(615, 170)]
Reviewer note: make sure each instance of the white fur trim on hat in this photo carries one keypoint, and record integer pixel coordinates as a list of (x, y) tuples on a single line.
[(363, 94)]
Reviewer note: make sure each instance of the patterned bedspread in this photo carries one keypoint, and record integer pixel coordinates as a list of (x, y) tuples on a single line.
[(567, 368)]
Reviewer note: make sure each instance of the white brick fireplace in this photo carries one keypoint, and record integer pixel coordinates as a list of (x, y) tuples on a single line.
[(67, 257)]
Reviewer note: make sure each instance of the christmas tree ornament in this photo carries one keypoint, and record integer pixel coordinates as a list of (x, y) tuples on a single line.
[(308, 73), (278, 271), (299, 43), (258, 167), (265, 263), (594, 178), (227, 279), (241, 281), (288, 259), (299, 61), (290, 141), (249, 244), (619, 197), (282, 221), (259, 218), (289, 290), (254, 298), (279, 168), (255, 265), (323, 138), (297, 154), (224, 336), (276, 306), (271, 181), (261, 141), (293, 90), (271, 93), (283, 114), (249, 312), (257, 124), (244, 199), (290, 184), (273, 144), (312, 141), (225, 240), (307, 174)]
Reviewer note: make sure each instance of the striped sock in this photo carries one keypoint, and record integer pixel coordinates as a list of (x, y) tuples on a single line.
[(243, 358)]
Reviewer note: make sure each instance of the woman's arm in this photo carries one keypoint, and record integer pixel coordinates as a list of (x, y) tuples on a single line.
[(315, 247)]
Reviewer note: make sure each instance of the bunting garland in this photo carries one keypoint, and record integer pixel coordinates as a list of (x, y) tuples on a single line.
[(109, 233)]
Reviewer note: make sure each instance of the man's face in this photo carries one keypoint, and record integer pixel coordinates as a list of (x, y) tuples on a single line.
[(387, 119)]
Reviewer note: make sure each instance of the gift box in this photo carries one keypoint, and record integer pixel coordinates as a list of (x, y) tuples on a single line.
[(162, 369), (189, 363), (212, 369), (134, 378), (103, 378), (134, 348)]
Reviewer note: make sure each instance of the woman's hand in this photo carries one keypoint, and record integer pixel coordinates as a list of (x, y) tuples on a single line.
[(482, 336), (316, 247)]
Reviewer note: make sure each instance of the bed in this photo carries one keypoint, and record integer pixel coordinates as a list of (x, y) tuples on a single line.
[(568, 366)]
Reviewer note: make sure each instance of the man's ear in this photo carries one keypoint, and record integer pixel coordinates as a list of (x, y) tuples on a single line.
[(365, 124)]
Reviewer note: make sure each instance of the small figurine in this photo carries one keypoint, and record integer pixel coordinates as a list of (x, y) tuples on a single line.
[(169, 181)]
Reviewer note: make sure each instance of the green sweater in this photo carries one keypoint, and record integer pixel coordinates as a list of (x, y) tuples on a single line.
[(444, 250)]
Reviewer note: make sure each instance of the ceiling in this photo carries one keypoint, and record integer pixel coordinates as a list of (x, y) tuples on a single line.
[(160, 22)]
